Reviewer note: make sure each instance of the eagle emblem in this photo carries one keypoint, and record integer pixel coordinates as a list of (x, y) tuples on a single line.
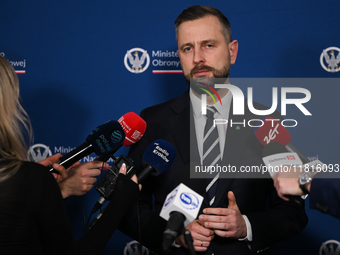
[(38, 152), (136, 60), (330, 247), (330, 59)]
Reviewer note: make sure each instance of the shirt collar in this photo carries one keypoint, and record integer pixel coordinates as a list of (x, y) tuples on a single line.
[(223, 109)]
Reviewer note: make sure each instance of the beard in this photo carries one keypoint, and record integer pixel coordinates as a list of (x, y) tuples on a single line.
[(198, 83)]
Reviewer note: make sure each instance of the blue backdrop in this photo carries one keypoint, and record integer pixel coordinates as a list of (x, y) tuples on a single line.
[(69, 56)]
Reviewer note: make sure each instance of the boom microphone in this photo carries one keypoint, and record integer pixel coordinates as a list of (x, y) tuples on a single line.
[(271, 130), (103, 140), (158, 158), (134, 127)]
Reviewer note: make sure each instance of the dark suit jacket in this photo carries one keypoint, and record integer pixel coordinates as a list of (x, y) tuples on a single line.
[(170, 121), (325, 193)]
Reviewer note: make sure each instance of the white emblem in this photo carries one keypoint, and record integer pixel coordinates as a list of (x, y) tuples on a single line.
[(330, 247), (330, 59), (38, 152), (134, 248), (139, 60), (272, 134)]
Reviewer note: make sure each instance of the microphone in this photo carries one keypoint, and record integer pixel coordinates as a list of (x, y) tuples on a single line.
[(271, 130), (134, 128), (104, 139), (158, 158), (181, 207), (275, 155)]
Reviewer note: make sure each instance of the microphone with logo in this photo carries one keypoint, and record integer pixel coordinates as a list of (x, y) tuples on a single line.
[(275, 156), (104, 139), (134, 128), (271, 130), (157, 158), (181, 207)]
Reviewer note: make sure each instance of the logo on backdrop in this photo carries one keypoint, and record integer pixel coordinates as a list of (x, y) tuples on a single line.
[(41, 151), (38, 152), (18, 65), (134, 248), (137, 60), (330, 247), (330, 59)]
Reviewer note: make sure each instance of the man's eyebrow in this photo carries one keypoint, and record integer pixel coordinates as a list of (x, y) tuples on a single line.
[(185, 45), (209, 41), (214, 41)]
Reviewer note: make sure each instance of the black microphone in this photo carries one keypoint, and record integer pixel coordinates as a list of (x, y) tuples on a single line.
[(173, 229), (104, 139), (158, 158)]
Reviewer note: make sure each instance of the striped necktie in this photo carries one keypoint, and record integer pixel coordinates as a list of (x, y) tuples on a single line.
[(211, 152)]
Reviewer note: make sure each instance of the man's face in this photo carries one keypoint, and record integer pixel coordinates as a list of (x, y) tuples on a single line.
[(203, 50)]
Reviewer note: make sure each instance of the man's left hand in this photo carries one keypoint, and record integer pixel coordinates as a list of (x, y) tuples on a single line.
[(226, 222)]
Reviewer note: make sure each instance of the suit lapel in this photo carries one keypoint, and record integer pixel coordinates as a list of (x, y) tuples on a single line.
[(179, 124)]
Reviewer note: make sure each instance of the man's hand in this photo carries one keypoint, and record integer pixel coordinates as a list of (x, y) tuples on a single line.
[(226, 222), (81, 179), (201, 236), (62, 171)]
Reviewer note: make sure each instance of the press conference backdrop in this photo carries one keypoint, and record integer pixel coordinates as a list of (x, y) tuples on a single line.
[(72, 59)]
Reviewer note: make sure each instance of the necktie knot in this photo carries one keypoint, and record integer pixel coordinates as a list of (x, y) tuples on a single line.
[(210, 112)]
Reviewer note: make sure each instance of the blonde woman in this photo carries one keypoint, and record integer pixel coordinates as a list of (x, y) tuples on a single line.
[(33, 218)]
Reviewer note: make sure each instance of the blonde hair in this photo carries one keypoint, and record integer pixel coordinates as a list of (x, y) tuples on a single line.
[(13, 121)]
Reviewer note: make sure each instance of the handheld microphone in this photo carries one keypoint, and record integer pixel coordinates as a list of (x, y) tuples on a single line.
[(181, 207), (104, 139), (271, 130), (275, 155), (134, 128), (158, 158)]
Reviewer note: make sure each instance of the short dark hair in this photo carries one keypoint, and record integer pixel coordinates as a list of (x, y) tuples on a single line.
[(199, 11)]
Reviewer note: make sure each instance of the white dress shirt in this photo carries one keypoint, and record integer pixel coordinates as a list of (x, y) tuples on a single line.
[(200, 120)]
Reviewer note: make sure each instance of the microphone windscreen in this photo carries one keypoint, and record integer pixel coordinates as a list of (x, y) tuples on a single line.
[(134, 127), (160, 155), (270, 130), (106, 138)]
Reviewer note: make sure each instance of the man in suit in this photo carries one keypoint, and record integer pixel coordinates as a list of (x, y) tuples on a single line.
[(235, 220)]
